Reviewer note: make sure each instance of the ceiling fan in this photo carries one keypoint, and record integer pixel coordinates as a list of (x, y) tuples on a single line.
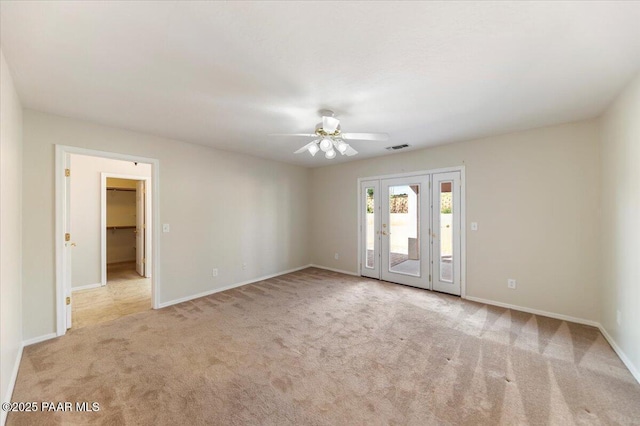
[(329, 138)]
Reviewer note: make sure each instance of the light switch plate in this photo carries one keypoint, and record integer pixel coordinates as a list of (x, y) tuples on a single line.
[(165, 227), (474, 226)]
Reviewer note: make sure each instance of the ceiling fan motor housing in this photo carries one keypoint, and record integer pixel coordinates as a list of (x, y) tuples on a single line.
[(321, 132)]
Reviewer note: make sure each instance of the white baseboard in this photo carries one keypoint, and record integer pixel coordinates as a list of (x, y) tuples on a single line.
[(623, 357), (535, 311), (229, 287), (334, 270), (39, 339), (86, 287), (12, 384)]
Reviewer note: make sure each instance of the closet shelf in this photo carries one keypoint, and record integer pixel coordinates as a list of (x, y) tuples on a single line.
[(121, 227), (115, 188)]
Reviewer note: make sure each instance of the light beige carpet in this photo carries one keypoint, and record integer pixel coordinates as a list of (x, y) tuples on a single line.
[(321, 348)]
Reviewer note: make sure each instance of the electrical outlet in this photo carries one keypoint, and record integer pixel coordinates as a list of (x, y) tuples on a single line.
[(619, 317), (336, 256), (511, 283), (215, 272), (244, 266)]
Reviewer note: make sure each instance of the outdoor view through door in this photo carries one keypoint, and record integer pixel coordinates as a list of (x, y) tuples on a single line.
[(410, 228), (404, 228)]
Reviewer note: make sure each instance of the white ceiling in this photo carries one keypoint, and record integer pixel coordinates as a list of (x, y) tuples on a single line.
[(228, 74)]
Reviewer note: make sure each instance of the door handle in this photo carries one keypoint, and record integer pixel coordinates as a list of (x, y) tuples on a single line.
[(385, 233)]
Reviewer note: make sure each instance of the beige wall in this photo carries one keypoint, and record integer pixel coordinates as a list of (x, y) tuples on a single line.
[(224, 209), (10, 229), (534, 194), (620, 154), (85, 212)]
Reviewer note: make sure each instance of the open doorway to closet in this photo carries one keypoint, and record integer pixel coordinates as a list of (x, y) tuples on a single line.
[(411, 229), (126, 236), (110, 222)]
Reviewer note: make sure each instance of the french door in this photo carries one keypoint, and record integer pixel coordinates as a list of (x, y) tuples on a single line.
[(445, 234), (411, 230)]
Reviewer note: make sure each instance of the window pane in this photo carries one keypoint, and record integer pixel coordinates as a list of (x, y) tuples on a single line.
[(369, 228), (404, 229), (446, 231)]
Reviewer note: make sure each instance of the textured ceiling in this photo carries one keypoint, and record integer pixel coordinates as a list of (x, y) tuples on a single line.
[(229, 74)]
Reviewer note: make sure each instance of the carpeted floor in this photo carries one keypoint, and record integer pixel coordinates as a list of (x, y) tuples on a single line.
[(321, 348)]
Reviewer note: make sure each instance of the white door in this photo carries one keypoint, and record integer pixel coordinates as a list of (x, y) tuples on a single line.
[(68, 244), (445, 235), (370, 231), (140, 228), (404, 248)]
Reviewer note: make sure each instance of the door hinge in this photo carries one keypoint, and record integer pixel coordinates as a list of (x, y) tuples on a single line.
[(67, 237), (67, 172), (68, 301), (429, 278), (144, 260)]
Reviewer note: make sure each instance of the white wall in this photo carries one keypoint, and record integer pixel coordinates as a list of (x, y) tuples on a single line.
[(11, 231), (224, 209), (534, 194), (85, 211), (620, 153)]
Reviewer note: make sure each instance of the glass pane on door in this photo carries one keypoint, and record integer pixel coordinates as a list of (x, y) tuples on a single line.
[(446, 231), (404, 229), (369, 226)]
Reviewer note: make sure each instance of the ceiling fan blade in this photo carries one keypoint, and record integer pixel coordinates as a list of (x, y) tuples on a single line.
[(330, 124), (366, 136), (309, 135), (350, 151), (306, 147)]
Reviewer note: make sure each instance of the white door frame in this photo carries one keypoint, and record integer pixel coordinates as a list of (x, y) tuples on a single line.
[(463, 220), (62, 274), (103, 222)]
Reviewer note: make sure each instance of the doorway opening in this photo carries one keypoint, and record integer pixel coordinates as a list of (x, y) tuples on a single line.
[(410, 229), (106, 205), (125, 226)]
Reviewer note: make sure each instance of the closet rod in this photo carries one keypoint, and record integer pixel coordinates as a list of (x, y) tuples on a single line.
[(111, 188)]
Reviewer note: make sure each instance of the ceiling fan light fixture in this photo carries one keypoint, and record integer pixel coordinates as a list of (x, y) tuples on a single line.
[(325, 144), (329, 138), (342, 146)]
